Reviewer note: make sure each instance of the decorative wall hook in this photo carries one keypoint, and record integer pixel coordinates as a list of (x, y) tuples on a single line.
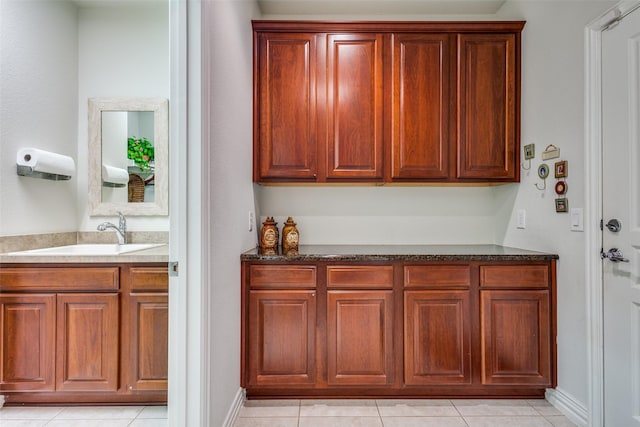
[(529, 153), (543, 173)]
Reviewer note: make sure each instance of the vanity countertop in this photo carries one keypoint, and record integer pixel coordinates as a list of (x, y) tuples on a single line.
[(400, 253), (155, 254)]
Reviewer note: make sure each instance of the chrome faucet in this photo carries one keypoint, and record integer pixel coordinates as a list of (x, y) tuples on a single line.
[(121, 230)]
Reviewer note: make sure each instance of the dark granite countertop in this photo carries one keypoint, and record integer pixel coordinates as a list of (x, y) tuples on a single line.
[(400, 253)]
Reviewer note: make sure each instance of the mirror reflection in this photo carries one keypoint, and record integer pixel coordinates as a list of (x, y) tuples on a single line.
[(128, 156)]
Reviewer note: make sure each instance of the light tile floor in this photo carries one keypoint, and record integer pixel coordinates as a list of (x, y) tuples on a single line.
[(400, 413), (311, 413), (84, 416)]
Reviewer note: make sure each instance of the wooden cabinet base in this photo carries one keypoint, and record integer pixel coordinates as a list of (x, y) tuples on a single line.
[(389, 392), (85, 398)]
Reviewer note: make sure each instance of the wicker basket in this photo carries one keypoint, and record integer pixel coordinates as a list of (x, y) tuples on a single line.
[(136, 188)]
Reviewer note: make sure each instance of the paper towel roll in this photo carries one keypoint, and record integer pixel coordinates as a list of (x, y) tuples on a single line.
[(46, 162), (114, 175)]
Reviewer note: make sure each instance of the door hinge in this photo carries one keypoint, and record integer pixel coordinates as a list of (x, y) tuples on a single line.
[(173, 268), (601, 225)]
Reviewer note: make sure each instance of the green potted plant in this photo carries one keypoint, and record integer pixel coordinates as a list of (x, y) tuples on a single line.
[(141, 151)]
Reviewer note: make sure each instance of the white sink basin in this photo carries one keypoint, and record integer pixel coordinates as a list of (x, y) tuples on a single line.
[(90, 249)]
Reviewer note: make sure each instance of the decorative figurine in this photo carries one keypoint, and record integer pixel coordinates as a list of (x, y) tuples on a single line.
[(290, 236), (269, 235)]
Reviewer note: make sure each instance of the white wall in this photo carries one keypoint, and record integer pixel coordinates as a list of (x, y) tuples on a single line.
[(383, 215), (123, 52), (227, 93), (38, 108), (553, 113)]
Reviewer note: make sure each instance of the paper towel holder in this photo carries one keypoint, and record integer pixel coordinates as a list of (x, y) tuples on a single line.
[(52, 174), (28, 171)]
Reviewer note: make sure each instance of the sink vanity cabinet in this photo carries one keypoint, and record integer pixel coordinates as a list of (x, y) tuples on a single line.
[(79, 333), (386, 102), (324, 325)]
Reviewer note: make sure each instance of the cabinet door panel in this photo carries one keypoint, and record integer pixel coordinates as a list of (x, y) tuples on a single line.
[(282, 337), (27, 344), (422, 110), (149, 341), (287, 106), (87, 342), (354, 98), (515, 329), (488, 134), (359, 337), (437, 337)]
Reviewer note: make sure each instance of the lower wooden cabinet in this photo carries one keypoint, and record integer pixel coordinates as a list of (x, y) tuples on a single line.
[(87, 352), (398, 329), (517, 318), (27, 345), (359, 337), (83, 334), (437, 337), (282, 337), (149, 342), (146, 328)]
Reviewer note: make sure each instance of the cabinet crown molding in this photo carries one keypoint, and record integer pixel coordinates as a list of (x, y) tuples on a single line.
[(388, 26)]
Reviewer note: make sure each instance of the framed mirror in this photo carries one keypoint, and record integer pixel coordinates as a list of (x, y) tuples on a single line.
[(128, 156)]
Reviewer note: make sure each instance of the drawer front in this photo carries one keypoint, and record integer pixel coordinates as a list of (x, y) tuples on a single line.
[(436, 276), (515, 276), (360, 276), (59, 279), (282, 276), (149, 279)]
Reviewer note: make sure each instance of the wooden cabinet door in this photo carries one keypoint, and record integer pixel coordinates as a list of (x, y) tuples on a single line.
[(285, 108), (488, 107), (148, 341), (359, 337), (27, 344), (354, 106), (515, 337), (281, 338), (437, 337), (423, 106), (87, 342)]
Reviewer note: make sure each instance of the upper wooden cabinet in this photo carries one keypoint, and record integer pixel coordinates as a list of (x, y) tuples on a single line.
[(422, 116), (386, 101), (488, 107), (285, 122), (354, 106)]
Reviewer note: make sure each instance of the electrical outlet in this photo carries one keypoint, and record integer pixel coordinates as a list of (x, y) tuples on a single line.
[(252, 220), (521, 221)]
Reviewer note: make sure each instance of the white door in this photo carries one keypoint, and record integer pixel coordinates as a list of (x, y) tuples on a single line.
[(621, 201)]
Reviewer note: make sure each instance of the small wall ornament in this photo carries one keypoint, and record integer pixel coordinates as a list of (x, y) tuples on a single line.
[(561, 169), (543, 173)]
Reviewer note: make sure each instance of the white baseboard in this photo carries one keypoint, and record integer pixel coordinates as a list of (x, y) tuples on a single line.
[(234, 410), (570, 407)]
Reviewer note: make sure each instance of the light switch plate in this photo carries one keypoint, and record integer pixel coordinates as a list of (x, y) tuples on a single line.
[(521, 218), (576, 216)]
